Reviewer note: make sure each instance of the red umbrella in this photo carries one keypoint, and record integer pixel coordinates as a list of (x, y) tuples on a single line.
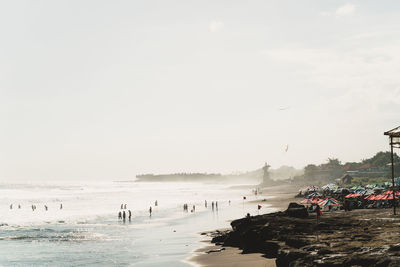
[(390, 197), (370, 197)]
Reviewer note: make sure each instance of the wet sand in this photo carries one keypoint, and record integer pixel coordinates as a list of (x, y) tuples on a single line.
[(213, 255)]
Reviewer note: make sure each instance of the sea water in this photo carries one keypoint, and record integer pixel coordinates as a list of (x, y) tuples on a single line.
[(87, 231)]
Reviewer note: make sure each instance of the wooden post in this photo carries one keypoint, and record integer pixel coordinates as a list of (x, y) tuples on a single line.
[(391, 157)]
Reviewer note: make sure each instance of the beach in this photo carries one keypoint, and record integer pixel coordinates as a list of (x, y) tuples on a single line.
[(277, 198), (87, 226)]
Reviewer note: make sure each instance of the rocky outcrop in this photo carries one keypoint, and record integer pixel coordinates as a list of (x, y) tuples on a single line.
[(357, 238)]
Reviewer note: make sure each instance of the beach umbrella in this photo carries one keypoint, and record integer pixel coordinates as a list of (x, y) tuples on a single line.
[(356, 187), (315, 194), (307, 201), (352, 195), (313, 200), (379, 197), (371, 185), (370, 197), (361, 191), (388, 197), (328, 202)]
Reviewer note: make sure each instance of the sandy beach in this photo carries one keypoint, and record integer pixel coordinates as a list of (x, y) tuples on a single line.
[(277, 197)]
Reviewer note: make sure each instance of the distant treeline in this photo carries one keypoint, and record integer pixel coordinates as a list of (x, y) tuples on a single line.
[(177, 177), (378, 166)]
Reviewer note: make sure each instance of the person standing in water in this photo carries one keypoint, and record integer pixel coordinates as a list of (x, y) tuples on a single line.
[(125, 207), (122, 206), (119, 215), (129, 215), (150, 210), (123, 215), (205, 203), (212, 205)]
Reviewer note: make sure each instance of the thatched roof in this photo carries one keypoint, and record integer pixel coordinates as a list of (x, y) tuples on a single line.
[(346, 176)]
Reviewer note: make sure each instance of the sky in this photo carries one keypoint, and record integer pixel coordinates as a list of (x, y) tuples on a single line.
[(110, 89)]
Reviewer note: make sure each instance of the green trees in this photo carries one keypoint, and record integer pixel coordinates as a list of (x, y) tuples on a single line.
[(381, 159)]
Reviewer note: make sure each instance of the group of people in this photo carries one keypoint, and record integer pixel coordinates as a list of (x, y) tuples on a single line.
[(186, 208), (122, 214), (214, 206), (33, 207)]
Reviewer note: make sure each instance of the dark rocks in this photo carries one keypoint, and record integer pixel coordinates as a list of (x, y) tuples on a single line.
[(296, 210), (271, 249), (367, 238), (286, 257), (296, 242), (395, 247)]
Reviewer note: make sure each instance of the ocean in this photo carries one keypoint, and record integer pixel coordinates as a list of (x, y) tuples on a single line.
[(87, 231)]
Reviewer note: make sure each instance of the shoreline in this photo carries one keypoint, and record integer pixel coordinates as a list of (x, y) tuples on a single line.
[(277, 198)]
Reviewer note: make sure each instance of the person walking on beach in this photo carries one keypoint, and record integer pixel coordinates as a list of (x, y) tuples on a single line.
[(123, 215), (150, 210), (129, 215), (119, 215)]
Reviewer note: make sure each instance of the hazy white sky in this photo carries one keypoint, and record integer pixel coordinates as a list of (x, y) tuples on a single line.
[(108, 89)]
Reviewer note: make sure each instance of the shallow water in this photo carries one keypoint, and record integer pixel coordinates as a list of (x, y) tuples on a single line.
[(87, 232)]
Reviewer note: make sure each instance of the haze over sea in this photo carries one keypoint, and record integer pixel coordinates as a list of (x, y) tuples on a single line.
[(87, 232)]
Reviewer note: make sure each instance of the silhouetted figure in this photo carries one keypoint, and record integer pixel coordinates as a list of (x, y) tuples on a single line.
[(45, 207), (156, 203), (61, 206), (129, 215), (125, 207), (119, 215), (216, 205), (19, 206), (194, 208), (11, 206), (33, 208), (212, 205), (229, 202), (205, 203), (123, 215), (150, 211)]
